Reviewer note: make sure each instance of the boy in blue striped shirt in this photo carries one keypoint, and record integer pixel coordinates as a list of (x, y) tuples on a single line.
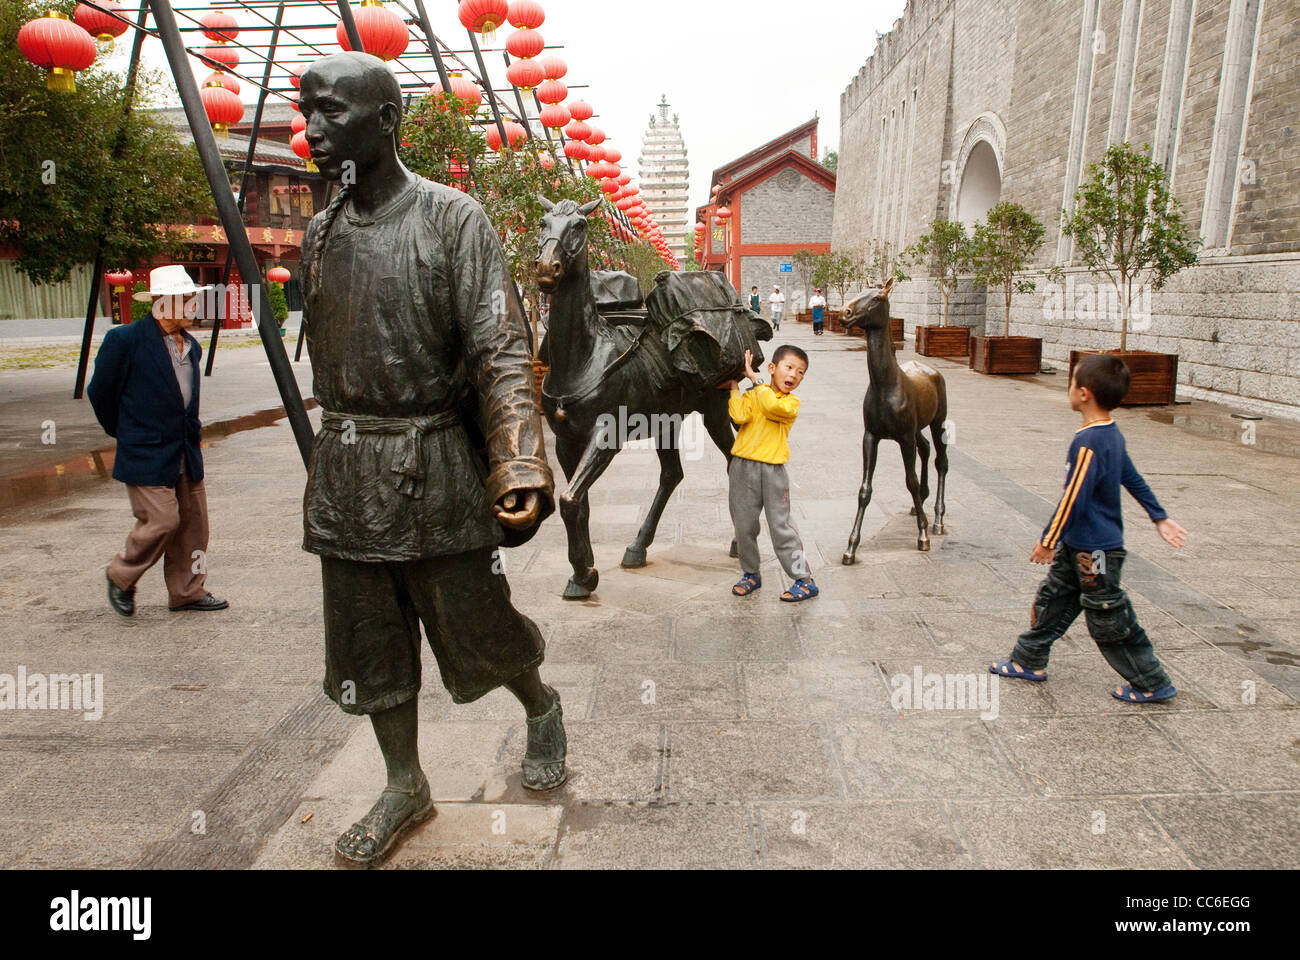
[(1084, 542)]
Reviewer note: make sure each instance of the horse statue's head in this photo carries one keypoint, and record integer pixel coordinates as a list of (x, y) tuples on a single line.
[(563, 244), (870, 309)]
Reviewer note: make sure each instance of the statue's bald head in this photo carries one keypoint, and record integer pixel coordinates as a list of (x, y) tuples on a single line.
[(353, 107)]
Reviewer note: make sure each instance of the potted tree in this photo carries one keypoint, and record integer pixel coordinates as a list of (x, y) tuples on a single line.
[(805, 268), (946, 252), (1004, 245), (1127, 227), (279, 304)]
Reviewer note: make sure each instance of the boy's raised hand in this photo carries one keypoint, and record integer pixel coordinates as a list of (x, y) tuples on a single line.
[(1041, 554), (1173, 534), (749, 366)]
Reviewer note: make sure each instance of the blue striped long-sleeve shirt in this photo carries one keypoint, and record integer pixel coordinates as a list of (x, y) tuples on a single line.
[(1088, 516)]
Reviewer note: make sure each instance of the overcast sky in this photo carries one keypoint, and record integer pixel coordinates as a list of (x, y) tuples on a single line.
[(737, 72)]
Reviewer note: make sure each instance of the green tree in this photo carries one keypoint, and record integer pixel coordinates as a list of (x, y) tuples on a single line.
[(946, 252), (279, 303), (831, 160), (805, 268), (883, 262), (1003, 246), (1127, 226), (835, 271), (67, 179)]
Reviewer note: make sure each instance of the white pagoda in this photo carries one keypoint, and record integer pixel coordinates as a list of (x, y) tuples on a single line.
[(665, 176)]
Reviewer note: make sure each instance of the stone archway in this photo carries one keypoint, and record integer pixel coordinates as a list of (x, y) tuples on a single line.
[(979, 170)]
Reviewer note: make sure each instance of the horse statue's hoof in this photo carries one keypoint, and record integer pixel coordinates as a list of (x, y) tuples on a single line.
[(940, 529), (577, 589), (735, 551), (634, 557), (849, 560), (923, 545)]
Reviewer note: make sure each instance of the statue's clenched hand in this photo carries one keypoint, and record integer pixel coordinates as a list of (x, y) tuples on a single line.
[(518, 509)]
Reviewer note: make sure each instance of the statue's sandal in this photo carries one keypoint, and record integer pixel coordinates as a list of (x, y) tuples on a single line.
[(383, 826), (546, 737)]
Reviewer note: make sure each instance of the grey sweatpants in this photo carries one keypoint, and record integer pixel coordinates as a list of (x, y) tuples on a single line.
[(756, 488)]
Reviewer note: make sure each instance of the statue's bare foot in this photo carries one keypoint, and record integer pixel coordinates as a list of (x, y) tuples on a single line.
[(370, 840), (547, 747)]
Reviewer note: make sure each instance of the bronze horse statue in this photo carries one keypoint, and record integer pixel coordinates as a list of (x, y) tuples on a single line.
[(601, 373), (901, 401)]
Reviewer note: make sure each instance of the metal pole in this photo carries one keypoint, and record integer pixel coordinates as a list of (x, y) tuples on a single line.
[(443, 77), (350, 26), (519, 99), (243, 179), (228, 210), (487, 86), (128, 95)]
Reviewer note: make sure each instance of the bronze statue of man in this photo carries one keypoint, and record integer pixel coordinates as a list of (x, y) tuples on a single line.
[(419, 358)]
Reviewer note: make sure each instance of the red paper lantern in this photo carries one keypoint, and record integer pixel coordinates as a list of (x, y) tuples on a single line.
[(223, 108), (581, 110), (525, 44), (609, 186), (613, 154), (295, 74), (526, 14), (551, 91), (700, 228), (298, 124), (119, 278), (483, 16), (577, 130), (597, 135), (219, 57), (554, 115), (219, 27), (514, 134), (383, 33), (104, 28), (595, 154), (226, 80), (56, 44), (554, 67), (292, 97), (525, 74), (724, 213), (575, 150), (464, 89), (278, 275), (547, 161)]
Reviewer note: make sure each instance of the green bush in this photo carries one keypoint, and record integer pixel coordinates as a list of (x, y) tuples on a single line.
[(140, 309), (279, 304)]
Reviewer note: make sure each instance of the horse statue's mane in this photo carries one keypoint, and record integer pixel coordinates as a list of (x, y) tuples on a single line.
[(566, 207)]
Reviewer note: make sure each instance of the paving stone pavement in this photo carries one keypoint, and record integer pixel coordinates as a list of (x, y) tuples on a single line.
[(704, 730)]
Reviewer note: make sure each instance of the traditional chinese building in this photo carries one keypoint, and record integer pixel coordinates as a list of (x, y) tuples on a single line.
[(767, 205), (665, 178)]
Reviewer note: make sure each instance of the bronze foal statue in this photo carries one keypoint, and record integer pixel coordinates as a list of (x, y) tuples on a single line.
[(901, 402), (602, 372)]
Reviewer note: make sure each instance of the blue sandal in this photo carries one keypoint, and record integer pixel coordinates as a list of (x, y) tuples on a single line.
[(1129, 695), (747, 585), (1009, 668), (800, 590)]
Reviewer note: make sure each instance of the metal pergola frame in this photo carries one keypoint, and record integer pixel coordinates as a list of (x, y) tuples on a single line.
[(287, 43)]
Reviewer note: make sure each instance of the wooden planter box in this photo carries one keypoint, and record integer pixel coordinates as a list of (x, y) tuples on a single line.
[(943, 341), (1006, 354), (803, 316), (539, 373), (1154, 375)]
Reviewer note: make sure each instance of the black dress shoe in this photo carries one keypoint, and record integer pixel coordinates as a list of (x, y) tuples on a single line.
[(209, 602), (123, 601)]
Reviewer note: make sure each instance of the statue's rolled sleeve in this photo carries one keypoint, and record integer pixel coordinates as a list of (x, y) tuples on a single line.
[(495, 336)]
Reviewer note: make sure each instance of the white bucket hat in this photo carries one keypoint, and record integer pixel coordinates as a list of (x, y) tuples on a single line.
[(169, 281)]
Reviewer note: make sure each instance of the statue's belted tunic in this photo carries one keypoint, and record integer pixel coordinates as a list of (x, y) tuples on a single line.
[(420, 359)]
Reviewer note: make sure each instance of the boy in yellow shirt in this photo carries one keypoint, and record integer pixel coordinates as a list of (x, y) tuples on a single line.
[(757, 477)]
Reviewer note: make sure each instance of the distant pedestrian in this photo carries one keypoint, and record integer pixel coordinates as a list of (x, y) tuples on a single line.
[(1085, 545), (757, 477), (145, 393), (777, 302), (818, 305), (754, 303)]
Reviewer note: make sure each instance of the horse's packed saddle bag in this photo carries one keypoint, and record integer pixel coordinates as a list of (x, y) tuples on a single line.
[(706, 328)]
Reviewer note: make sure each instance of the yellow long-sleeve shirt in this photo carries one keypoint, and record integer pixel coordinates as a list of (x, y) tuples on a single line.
[(764, 417)]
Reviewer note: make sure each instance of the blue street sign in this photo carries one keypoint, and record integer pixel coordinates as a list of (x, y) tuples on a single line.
[(787, 268)]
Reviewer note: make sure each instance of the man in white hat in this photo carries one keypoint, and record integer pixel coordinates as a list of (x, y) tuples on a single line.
[(145, 393)]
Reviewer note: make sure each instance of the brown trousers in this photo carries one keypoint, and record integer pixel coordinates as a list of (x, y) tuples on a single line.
[(171, 523)]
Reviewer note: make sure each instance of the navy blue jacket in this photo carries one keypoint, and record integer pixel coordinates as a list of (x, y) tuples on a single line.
[(137, 400), (1088, 516)]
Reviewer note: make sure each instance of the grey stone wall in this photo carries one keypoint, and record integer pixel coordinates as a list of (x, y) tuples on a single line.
[(787, 208)]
